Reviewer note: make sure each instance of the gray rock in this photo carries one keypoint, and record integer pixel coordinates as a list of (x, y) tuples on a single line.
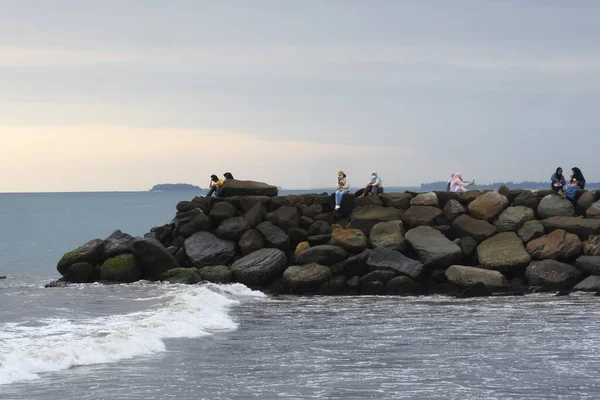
[(503, 253), (250, 242), (581, 227), (260, 268), (297, 235), (121, 268), (400, 201), (234, 187), (187, 276), (334, 286), (527, 199), (425, 199), (454, 209), (216, 274), (468, 245), (116, 244), (402, 285), (319, 240), (388, 235), (465, 225), (221, 212), (232, 228), (319, 228), (552, 275), (366, 217), (531, 230), (205, 249), (390, 260), (589, 265), (352, 266), (286, 217), (421, 216), (589, 284), (513, 218), (381, 275), (585, 201), (324, 255), (256, 215), (81, 272), (488, 206), (594, 211), (434, 249), (470, 276), (189, 222), (152, 258), (274, 236), (306, 278), (249, 202), (91, 252), (553, 205)]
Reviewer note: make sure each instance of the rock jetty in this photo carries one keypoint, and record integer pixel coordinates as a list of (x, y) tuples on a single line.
[(465, 244)]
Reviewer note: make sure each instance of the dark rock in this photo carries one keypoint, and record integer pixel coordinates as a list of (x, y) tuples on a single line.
[(274, 236), (306, 278), (221, 212), (121, 268), (91, 252), (378, 276), (589, 265), (396, 200), (558, 245), (454, 209), (581, 227), (354, 283), (187, 276), (325, 201), (79, 273), (425, 199), (488, 206), (152, 258), (477, 290), (373, 288), (367, 201), (402, 285), (385, 259), (247, 203), (388, 235), (513, 218), (334, 286), (260, 268), (277, 202), (324, 255), (591, 247), (185, 206), (351, 240), (232, 228), (366, 217), (318, 240), (446, 288), (57, 284), (319, 228), (585, 201), (471, 276), (433, 248), (306, 222), (552, 275), (116, 244), (531, 230), (594, 211), (250, 242), (172, 250), (527, 199), (215, 274), (479, 230), (189, 222), (504, 253), (589, 284), (256, 215), (421, 216), (352, 266), (555, 206), (177, 242), (234, 187), (297, 235), (286, 217), (468, 245), (205, 249)]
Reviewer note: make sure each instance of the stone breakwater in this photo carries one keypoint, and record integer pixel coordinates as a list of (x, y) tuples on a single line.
[(465, 244)]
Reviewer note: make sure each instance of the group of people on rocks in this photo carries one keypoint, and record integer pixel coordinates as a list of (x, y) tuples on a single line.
[(564, 189), (216, 183), (374, 186)]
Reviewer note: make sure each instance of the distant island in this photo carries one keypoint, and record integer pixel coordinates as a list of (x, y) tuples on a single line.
[(175, 187)]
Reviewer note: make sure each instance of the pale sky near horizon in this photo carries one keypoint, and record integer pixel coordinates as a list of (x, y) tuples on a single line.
[(122, 95)]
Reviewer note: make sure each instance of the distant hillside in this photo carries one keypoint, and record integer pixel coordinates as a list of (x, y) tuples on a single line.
[(175, 187)]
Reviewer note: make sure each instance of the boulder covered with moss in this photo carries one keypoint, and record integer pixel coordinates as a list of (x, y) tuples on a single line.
[(181, 275), (91, 253), (121, 268)]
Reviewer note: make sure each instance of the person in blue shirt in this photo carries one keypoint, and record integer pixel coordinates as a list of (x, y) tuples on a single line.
[(558, 180)]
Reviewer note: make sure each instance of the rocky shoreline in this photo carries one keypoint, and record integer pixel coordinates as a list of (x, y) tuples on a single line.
[(462, 244)]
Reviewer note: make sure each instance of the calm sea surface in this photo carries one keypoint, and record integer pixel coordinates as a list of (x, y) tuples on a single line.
[(158, 341)]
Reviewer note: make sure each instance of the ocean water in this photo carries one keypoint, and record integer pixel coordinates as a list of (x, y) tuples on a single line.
[(158, 341)]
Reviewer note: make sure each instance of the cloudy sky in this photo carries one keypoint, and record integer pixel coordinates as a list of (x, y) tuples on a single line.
[(120, 95)]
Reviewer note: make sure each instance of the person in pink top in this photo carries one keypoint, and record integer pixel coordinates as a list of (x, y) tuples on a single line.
[(458, 185)]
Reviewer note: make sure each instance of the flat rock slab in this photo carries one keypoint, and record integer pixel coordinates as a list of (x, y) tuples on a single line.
[(589, 265), (421, 216), (558, 245), (260, 267), (234, 187), (589, 284), (433, 248), (205, 249), (366, 217), (324, 255), (189, 222), (552, 275), (274, 236), (306, 278), (582, 227), (465, 225), (470, 276), (390, 260), (503, 252), (513, 218)]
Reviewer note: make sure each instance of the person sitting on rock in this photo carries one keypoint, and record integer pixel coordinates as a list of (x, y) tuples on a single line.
[(343, 187), (214, 185), (558, 180), (374, 186), (228, 176), (458, 185), (578, 176), (570, 190), (449, 183)]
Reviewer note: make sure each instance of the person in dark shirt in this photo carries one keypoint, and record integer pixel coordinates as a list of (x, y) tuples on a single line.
[(578, 176), (558, 180)]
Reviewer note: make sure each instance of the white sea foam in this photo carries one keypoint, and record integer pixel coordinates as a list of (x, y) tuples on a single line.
[(55, 344)]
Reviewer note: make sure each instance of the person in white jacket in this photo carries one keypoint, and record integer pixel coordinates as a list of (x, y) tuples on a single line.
[(343, 187)]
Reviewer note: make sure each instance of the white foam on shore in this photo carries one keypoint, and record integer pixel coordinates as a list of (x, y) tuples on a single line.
[(56, 344)]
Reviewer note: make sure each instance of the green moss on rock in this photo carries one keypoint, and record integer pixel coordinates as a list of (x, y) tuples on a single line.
[(91, 252), (80, 273), (181, 275), (122, 268)]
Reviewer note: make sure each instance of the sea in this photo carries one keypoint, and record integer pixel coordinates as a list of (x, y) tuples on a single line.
[(159, 341)]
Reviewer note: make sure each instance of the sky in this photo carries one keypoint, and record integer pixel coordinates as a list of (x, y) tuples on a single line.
[(122, 95)]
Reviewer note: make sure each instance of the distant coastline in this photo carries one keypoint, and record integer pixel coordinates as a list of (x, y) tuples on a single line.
[(175, 187)]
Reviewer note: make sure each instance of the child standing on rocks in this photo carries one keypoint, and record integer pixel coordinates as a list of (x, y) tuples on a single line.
[(343, 187)]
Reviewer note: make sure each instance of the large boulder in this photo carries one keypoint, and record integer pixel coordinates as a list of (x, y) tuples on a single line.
[(215, 274), (205, 249), (555, 206), (80, 272), (324, 255), (504, 253), (513, 218), (286, 217), (91, 253), (400, 201), (471, 276), (591, 247), (352, 266), (121, 268), (116, 244), (260, 268), (152, 258), (581, 227), (351, 240), (249, 202), (421, 216), (453, 210), (425, 199), (365, 218), (274, 236), (531, 230), (181, 275), (189, 222), (297, 235), (488, 206), (434, 249), (527, 199), (234, 187), (232, 228), (589, 284), (319, 228), (558, 245), (465, 225), (585, 201), (593, 211), (306, 278), (402, 285), (552, 275), (251, 241), (388, 235), (256, 215), (221, 212), (390, 260), (589, 265)]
